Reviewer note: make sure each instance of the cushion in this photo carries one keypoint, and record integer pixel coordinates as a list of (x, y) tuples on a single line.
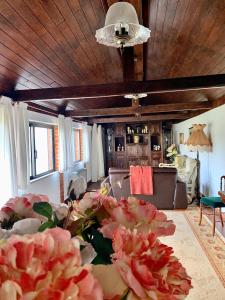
[(77, 187), (180, 161), (212, 201), (190, 164)]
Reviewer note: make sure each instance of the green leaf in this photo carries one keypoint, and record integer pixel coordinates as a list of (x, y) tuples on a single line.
[(102, 246), (44, 209), (47, 224)]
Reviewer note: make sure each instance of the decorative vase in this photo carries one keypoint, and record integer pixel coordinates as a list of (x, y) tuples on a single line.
[(136, 139)]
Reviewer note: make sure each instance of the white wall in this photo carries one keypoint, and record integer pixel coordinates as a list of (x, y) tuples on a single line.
[(212, 163), (48, 185)]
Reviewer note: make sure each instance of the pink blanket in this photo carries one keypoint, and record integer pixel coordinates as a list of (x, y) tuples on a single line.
[(141, 180)]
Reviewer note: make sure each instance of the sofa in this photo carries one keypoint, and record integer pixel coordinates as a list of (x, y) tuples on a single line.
[(168, 192)]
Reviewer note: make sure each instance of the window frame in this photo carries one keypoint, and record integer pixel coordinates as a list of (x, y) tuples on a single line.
[(80, 129), (32, 150)]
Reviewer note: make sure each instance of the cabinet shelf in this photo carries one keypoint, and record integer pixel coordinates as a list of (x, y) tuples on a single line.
[(120, 152), (141, 153), (139, 157), (136, 133), (133, 144)]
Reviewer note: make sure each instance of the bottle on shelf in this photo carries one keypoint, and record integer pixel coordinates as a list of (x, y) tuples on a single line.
[(119, 148), (122, 149)]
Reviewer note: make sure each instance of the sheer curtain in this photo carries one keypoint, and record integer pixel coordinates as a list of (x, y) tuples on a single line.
[(14, 148), (87, 149), (94, 154), (21, 123), (101, 168), (97, 158), (66, 148)]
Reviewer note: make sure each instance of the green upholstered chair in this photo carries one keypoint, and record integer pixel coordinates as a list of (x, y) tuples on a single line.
[(214, 203)]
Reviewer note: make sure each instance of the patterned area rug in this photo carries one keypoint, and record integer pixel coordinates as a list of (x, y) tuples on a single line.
[(214, 247), (202, 255)]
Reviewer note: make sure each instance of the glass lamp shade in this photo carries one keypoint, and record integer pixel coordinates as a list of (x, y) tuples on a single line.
[(122, 28), (198, 141), (135, 96)]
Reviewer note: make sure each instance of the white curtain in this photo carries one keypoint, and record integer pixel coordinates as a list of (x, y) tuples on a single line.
[(87, 149), (14, 148), (101, 168), (94, 154), (66, 148), (21, 123), (97, 158)]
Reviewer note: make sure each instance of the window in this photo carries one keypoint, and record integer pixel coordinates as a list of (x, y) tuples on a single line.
[(42, 152), (78, 144)]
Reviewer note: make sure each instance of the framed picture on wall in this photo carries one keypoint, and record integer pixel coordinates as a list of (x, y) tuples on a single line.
[(181, 138)]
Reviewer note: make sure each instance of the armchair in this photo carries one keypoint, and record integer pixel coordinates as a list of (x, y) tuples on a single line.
[(187, 172)]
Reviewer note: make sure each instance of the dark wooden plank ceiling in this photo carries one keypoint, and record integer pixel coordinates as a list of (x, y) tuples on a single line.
[(187, 38), (51, 43)]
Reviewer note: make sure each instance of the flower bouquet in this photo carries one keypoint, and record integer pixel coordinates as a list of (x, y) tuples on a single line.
[(105, 249), (172, 152)]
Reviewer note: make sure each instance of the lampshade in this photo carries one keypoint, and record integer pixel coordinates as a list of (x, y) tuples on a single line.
[(198, 141), (122, 28)]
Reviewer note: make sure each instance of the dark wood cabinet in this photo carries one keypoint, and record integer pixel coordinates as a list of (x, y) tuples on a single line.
[(120, 160), (136, 144), (119, 129)]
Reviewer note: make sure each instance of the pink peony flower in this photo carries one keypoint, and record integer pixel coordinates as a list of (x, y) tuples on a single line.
[(45, 266), (148, 267), (94, 201), (22, 206), (134, 213)]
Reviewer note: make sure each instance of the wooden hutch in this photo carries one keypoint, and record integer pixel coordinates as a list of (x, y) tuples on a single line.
[(141, 143)]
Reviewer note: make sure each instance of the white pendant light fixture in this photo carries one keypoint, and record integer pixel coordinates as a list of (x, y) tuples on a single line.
[(135, 96), (122, 28), (135, 102)]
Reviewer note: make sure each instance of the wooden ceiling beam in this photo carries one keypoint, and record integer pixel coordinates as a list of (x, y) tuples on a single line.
[(218, 102), (145, 17), (138, 49), (158, 117), (132, 57), (128, 64), (141, 109), (42, 109), (118, 89)]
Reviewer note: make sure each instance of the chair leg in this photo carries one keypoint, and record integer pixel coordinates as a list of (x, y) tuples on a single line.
[(200, 219), (221, 217), (214, 221)]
